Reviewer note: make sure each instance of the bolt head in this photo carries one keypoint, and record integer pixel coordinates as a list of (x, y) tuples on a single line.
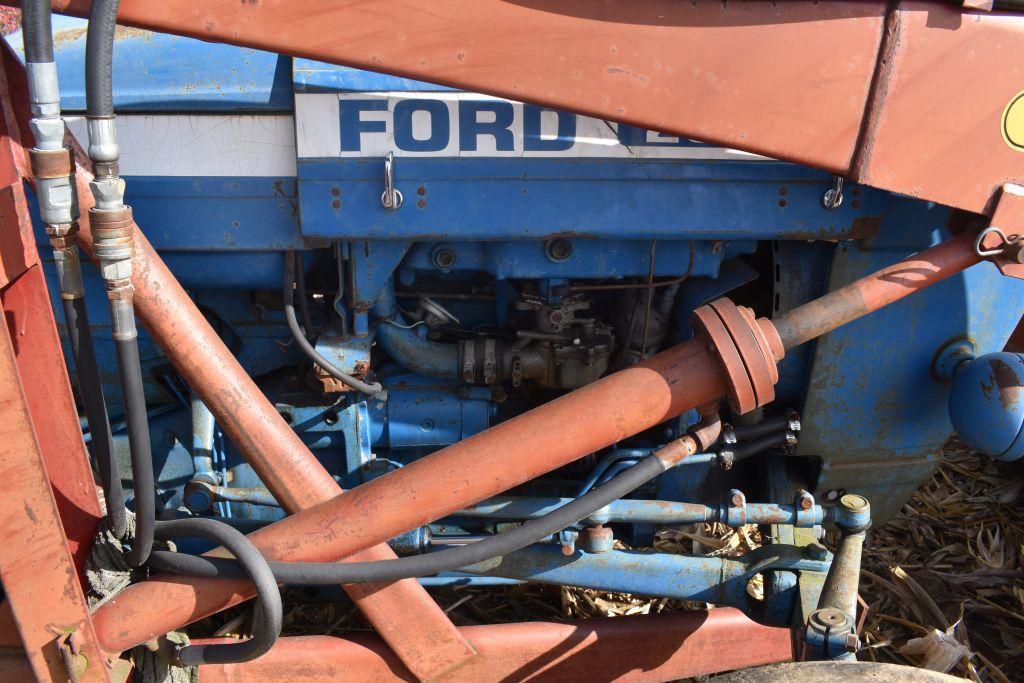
[(853, 502), (443, 258), (829, 618), (558, 250), (816, 551)]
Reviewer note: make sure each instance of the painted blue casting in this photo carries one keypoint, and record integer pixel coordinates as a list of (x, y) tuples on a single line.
[(986, 405)]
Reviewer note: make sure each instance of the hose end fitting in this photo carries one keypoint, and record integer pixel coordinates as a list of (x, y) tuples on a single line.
[(113, 233), (66, 261), (43, 93), (53, 169), (103, 148)]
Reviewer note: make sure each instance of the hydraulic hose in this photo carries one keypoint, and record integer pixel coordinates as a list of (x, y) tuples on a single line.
[(58, 207), (328, 573), (770, 425), (729, 455), (300, 338), (91, 389), (113, 244), (99, 53), (37, 31), (269, 611), (134, 396)]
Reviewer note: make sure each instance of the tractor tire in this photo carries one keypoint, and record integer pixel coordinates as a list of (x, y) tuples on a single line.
[(835, 672)]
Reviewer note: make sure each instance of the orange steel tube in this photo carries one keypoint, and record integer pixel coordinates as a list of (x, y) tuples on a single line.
[(675, 646), (403, 612), (504, 456), (875, 291)]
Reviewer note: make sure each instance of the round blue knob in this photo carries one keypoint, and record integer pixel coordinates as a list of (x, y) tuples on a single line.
[(986, 405)]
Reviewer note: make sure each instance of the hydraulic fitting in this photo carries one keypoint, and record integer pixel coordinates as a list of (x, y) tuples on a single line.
[(66, 260), (43, 91), (53, 167), (596, 539), (113, 245), (103, 148)]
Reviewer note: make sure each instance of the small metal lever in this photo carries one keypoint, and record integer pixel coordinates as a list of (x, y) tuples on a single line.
[(833, 197), (391, 198)]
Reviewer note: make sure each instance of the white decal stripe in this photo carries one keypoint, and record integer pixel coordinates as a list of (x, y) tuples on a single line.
[(239, 145), (319, 134)]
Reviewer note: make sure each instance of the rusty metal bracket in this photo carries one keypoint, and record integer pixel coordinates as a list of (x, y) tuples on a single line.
[(69, 645), (36, 567), (1003, 240)]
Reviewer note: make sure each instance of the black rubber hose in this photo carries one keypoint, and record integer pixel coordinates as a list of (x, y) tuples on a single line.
[(300, 338), (134, 397), (36, 31), (99, 54), (300, 289), (91, 389), (776, 440), (269, 611), (767, 426), (327, 573)]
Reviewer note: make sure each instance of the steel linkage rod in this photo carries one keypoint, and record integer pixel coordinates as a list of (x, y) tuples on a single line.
[(876, 290), (675, 646)]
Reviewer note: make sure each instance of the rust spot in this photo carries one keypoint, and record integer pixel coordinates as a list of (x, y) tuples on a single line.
[(865, 227), (1006, 383), (62, 38), (627, 72)]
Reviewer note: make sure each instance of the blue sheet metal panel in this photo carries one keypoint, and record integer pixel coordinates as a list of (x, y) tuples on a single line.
[(873, 411), (511, 198), (206, 243), (216, 213), (800, 274), (159, 72), (590, 258), (312, 76), (258, 338)]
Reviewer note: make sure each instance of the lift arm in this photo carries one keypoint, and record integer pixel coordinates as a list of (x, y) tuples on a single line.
[(921, 98)]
